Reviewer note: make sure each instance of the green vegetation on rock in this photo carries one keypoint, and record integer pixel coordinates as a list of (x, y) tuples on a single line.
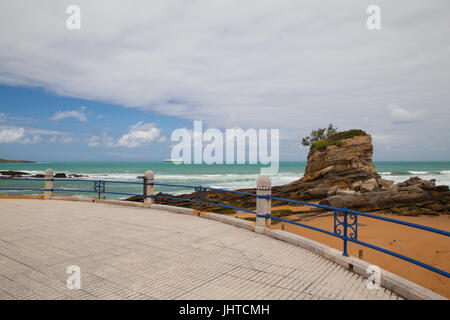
[(319, 134), (336, 138)]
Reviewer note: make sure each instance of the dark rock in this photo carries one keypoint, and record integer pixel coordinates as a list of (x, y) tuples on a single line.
[(436, 207), (15, 161), (13, 173), (424, 203), (413, 193), (399, 209), (60, 175), (73, 175), (319, 192), (332, 191), (135, 199), (416, 181), (426, 211)]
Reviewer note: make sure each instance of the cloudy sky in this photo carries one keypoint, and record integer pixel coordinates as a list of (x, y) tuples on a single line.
[(137, 70)]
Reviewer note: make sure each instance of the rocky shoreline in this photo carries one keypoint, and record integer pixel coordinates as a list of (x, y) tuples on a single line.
[(15, 161), (412, 197), (20, 174)]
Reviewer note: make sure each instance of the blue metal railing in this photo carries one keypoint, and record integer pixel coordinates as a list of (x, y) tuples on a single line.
[(99, 186), (345, 220), (349, 230)]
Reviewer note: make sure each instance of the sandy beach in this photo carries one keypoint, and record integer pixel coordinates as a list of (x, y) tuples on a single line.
[(424, 246)]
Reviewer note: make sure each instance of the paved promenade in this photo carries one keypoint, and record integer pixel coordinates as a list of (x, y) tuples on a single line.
[(138, 253)]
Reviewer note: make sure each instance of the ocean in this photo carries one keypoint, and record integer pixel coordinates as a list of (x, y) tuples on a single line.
[(217, 176)]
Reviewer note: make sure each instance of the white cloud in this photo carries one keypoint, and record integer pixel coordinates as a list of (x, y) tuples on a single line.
[(162, 139), (14, 135), (140, 134), (402, 115), (64, 139), (34, 139), (18, 135), (68, 139), (101, 140), (11, 119), (25, 135), (79, 114)]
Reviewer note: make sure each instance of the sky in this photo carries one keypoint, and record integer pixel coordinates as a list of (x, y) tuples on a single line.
[(136, 70)]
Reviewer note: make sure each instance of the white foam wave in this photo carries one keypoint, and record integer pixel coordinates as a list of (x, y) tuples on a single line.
[(239, 181)]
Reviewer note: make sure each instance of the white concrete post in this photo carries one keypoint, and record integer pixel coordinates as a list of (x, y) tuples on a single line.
[(48, 184), (263, 206), (149, 180)]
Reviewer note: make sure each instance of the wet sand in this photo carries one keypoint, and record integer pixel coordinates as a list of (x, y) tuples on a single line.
[(427, 247)]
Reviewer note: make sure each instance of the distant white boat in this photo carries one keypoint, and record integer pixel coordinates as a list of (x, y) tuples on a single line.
[(174, 160)]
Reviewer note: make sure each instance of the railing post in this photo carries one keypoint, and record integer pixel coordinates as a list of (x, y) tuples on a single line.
[(48, 184), (344, 211), (99, 188), (200, 194), (149, 179), (263, 203)]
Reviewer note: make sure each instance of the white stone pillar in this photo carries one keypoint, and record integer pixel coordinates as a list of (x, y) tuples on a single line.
[(263, 205), (48, 184), (148, 181)]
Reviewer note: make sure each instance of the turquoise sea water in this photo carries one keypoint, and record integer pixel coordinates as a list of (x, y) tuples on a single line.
[(220, 176)]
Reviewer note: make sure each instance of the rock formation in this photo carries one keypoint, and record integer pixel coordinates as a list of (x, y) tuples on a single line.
[(412, 197), (341, 164), (347, 162)]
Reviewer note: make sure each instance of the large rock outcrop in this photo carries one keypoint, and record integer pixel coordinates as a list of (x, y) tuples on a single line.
[(344, 163), (340, 164)]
